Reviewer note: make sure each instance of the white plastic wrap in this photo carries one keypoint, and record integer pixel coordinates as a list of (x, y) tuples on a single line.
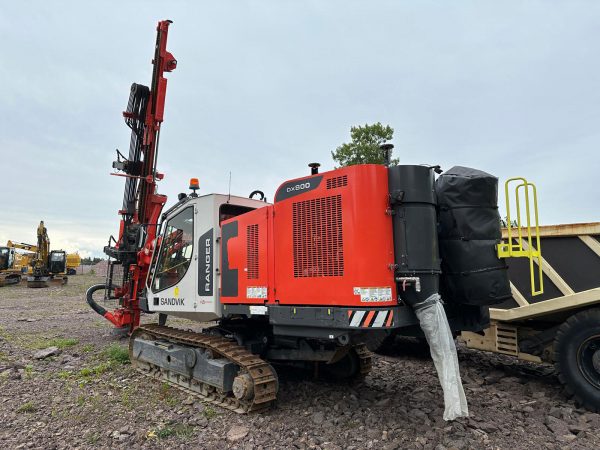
[(434, 324)]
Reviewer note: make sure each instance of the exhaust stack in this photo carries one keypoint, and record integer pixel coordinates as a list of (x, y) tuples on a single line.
[(417, 271)]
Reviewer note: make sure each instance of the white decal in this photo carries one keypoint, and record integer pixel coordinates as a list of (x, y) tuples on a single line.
[(258, 309), (171, 301), (374, 294), (256, 292), (207, 265), (299, 187)]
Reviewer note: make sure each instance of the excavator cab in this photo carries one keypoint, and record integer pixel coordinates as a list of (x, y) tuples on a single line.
[(57, 262), (8, 274), (6, 258)]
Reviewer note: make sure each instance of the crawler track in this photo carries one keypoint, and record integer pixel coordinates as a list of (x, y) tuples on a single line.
[(262, 374), (6, 279)]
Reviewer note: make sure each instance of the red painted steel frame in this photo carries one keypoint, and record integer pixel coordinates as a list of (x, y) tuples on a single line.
[(150, 203)]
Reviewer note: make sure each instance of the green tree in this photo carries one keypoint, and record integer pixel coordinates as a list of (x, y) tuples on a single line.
[(365, 146)]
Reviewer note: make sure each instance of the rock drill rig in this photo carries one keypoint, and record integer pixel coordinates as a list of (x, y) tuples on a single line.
[(340, 257)]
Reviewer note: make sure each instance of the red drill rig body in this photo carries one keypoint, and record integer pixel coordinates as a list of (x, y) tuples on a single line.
[(339, 259)]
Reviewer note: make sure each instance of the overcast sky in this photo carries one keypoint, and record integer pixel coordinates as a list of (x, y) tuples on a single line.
[(263, 88)]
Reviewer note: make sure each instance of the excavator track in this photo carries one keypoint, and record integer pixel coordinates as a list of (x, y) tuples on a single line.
[(7, 279), (251, 367)]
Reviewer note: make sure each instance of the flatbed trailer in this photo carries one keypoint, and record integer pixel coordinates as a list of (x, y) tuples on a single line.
[(562, 325)]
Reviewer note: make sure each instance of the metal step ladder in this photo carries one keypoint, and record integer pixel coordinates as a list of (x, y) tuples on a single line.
[(517, 246)]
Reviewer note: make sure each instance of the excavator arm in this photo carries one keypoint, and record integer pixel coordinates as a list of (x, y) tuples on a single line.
[(22, 246)]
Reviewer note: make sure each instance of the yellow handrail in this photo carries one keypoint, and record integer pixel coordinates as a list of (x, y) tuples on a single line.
[(510, 249)]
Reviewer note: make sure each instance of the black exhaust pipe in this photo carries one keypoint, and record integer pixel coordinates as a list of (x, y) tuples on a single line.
[(414, 219)]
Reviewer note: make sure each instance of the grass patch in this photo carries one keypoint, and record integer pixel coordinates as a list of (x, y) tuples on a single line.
[(209, 412), (64, 374), (28, 371), (87, 348), (59, 342), (182, 430), (28, 407), (80, 400), (126, 400), (166, 394), (92, 438), (89, 372), (178, 429), (63, 343), (112, 356), (116, 353), (165, 432), (5, 334)]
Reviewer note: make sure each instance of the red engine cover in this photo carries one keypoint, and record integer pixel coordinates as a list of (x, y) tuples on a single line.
[(326, 241), (250, 254)]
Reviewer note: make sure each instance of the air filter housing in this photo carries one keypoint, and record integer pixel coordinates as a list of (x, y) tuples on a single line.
[(469, 229)]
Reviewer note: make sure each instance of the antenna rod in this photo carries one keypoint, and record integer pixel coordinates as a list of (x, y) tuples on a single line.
[(229, 192)]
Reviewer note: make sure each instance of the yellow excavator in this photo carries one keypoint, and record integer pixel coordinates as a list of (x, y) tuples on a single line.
[(10, 270), (22, 260), (14, 265), (41, 265), (47, 266)]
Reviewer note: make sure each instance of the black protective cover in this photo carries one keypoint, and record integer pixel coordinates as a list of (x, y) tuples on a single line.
[(469, 229)]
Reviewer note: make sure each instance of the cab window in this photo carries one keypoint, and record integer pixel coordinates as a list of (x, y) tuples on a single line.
[(227, 211), (57, 256), (175, 251), (4, 258)]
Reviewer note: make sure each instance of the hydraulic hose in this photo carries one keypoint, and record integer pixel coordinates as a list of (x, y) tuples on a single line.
[(90, 299)]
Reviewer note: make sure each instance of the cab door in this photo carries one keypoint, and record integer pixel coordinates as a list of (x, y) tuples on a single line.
[(174, 283)]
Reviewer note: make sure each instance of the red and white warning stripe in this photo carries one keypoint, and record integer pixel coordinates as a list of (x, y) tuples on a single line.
[(371, 318)]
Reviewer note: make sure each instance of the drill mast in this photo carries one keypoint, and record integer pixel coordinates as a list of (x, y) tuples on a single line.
[(131, 253)]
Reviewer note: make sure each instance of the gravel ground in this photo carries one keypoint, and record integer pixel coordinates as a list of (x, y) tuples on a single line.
[(87, 396)]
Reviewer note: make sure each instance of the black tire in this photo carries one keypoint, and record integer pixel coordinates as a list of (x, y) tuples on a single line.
[(577, 357)]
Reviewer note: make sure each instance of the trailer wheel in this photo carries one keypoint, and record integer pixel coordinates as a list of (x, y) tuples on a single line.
[(577, 357)]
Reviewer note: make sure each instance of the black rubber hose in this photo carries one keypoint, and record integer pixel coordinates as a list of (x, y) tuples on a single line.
[(90, 298)]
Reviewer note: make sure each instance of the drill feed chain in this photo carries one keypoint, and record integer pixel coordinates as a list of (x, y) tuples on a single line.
[(257, 371)]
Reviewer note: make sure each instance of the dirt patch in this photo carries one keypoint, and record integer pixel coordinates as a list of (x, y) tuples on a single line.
[(86, 395)]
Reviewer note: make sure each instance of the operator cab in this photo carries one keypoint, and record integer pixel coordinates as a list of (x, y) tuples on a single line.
[(184, 278), (57, 261), (7, 255)]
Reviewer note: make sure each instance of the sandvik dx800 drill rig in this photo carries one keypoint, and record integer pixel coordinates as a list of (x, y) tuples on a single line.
[(338, 258)]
